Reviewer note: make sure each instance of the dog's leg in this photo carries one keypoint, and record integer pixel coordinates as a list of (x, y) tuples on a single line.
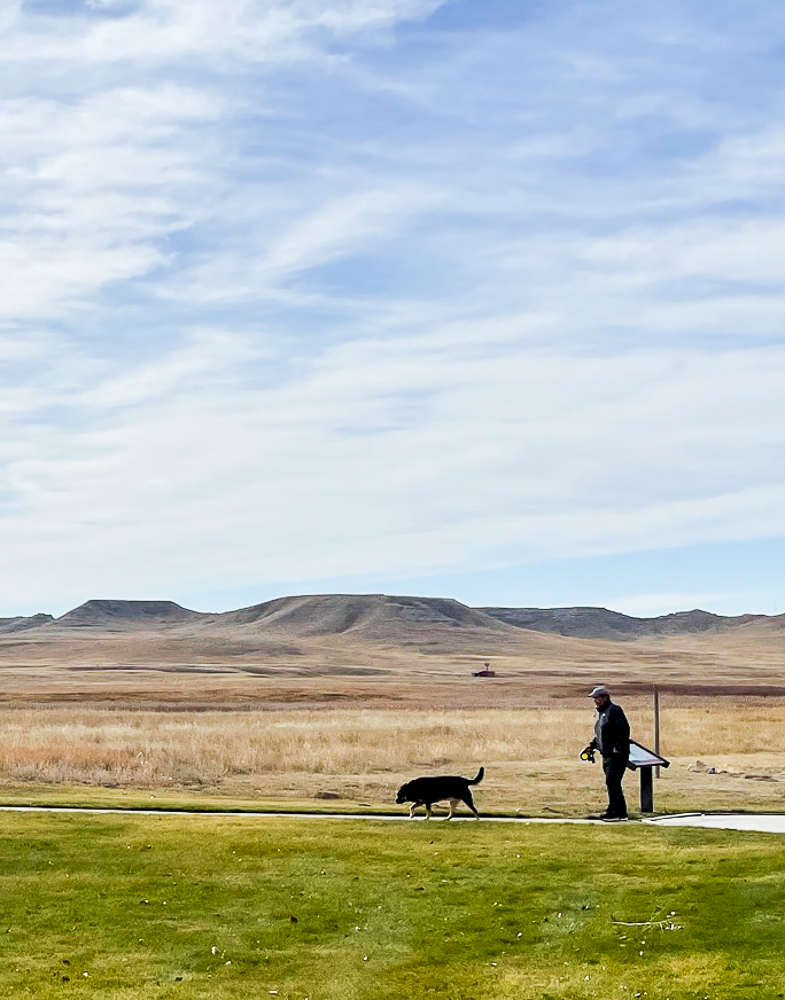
[(427, 810), (412, 807), (469, 801), (451, 813)]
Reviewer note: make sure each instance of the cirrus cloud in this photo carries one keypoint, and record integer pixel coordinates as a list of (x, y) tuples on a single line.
[(300, 290)]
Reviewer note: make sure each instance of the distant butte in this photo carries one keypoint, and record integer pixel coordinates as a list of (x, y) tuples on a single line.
[(93, 613), (383, 617), (344, 647), (600, 623)]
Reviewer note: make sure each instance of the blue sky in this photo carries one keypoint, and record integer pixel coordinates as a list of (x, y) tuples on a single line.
[(471, 298)]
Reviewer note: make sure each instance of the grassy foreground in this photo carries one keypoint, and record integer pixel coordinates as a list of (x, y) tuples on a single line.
[(138, 906)]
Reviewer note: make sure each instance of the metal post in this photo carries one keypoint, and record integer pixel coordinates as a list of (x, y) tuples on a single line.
[(657, 725), (647, 790)]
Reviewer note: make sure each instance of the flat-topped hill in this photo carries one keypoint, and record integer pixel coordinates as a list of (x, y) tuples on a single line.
[(126, 613), (601, 623), (375, 616)]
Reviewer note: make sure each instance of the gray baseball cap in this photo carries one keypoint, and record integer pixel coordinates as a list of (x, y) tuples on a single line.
[(596, 692)]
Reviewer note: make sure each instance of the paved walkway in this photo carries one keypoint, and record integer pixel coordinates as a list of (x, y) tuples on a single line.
[(760, 822), (269, 814)]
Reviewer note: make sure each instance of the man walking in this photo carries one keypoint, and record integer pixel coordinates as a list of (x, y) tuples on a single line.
[(612, 739)]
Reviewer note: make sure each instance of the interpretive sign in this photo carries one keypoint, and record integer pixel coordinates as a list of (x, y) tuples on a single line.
[(642, 759)]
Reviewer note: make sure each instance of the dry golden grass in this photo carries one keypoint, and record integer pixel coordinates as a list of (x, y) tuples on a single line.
[(361, 755), (233, 713)]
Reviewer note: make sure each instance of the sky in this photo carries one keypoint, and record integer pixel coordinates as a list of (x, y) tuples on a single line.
[(481, 299)]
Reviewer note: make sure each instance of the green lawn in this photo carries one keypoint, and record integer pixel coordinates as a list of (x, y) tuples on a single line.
[(157, 907)]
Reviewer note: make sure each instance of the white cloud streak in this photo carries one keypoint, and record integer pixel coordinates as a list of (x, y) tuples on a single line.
[(281, 299)]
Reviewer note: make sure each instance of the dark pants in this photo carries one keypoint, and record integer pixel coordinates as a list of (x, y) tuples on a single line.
[(614, 768)]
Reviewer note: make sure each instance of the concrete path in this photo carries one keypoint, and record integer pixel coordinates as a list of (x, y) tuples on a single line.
[(760, 822)]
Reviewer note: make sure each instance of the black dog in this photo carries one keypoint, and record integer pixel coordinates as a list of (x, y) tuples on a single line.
[(426, 791)]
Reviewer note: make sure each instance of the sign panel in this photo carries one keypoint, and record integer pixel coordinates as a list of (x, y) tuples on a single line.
[(640, 756)]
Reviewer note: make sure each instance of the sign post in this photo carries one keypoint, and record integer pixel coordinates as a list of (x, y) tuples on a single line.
[(644, 760), (656, 726)]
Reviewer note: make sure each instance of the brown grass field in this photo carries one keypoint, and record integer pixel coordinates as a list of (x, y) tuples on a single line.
[(358, 756), (339, 719)]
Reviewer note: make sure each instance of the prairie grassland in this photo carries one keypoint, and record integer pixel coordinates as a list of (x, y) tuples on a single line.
[(361, 755)]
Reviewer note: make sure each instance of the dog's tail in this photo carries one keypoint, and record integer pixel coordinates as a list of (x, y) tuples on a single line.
[(478, 778)]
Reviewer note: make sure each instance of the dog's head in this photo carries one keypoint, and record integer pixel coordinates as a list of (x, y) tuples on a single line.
[(403, 794)]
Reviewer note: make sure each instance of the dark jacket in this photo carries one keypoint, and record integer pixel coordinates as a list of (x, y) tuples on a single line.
[(612, 731)]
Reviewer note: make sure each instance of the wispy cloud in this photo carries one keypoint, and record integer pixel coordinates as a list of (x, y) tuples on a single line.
[(300, 290)]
